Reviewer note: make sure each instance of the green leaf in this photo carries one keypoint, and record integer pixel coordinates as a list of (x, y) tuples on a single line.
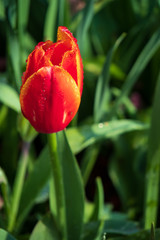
[(99, 5), (23, 16), (14, 57), (152, 189), (153, 167), (50, 21), (102, 95), (5, 191), (43, 195), (34, 184), (10, 12), (26, 131), (3, 117), (18, 185), (88, 135), (61, 12), (120, 227), (145, 56), (109, 228), (45, 230), (5, 235), (142, 235), (9, 97), (2, 10), (91, 230), (98, 201), (152, 232), (154, 132), (52, 197), (73, 189), (88, 161), (82, 31)]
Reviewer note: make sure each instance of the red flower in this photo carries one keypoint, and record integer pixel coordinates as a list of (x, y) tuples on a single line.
[(52, 83)]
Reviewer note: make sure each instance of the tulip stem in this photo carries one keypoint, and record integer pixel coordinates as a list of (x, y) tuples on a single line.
[(57, 181)]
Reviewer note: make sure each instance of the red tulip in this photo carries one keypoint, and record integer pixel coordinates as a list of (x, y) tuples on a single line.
[(52, 83)]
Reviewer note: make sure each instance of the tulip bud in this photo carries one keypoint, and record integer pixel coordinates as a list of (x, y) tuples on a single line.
[(52, 84)]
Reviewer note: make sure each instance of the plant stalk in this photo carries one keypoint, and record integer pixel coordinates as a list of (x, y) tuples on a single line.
[(58, 184)]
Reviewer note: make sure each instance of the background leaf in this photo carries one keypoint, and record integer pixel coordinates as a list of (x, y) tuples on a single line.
[(74, 196), (34, 185), (5, 235), (98, 201), (143, 59), (88, 135), (103, 95), (9, 97), (120, 98), (153, 167), (82, 31), (142, 235), (50, 21), (45, 229)]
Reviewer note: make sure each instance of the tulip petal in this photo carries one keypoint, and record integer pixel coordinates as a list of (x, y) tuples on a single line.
[(79, 71), (57, 50), (44, 45), (75, 57), (72, 63), (50, 99), (36, 60), (64, 34)]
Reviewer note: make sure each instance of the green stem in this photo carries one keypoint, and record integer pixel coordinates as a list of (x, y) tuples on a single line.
[(18, 186), (57, 178)]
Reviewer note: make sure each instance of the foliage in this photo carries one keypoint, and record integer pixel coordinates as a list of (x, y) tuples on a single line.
[(105, 182)]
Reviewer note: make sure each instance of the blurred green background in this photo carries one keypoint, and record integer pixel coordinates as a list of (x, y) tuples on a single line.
[(116, 134)]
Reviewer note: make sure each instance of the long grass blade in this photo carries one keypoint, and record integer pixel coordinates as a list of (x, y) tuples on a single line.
[(82, 31), (153, 166), (102, 95), (140, 64), (51, 21)]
